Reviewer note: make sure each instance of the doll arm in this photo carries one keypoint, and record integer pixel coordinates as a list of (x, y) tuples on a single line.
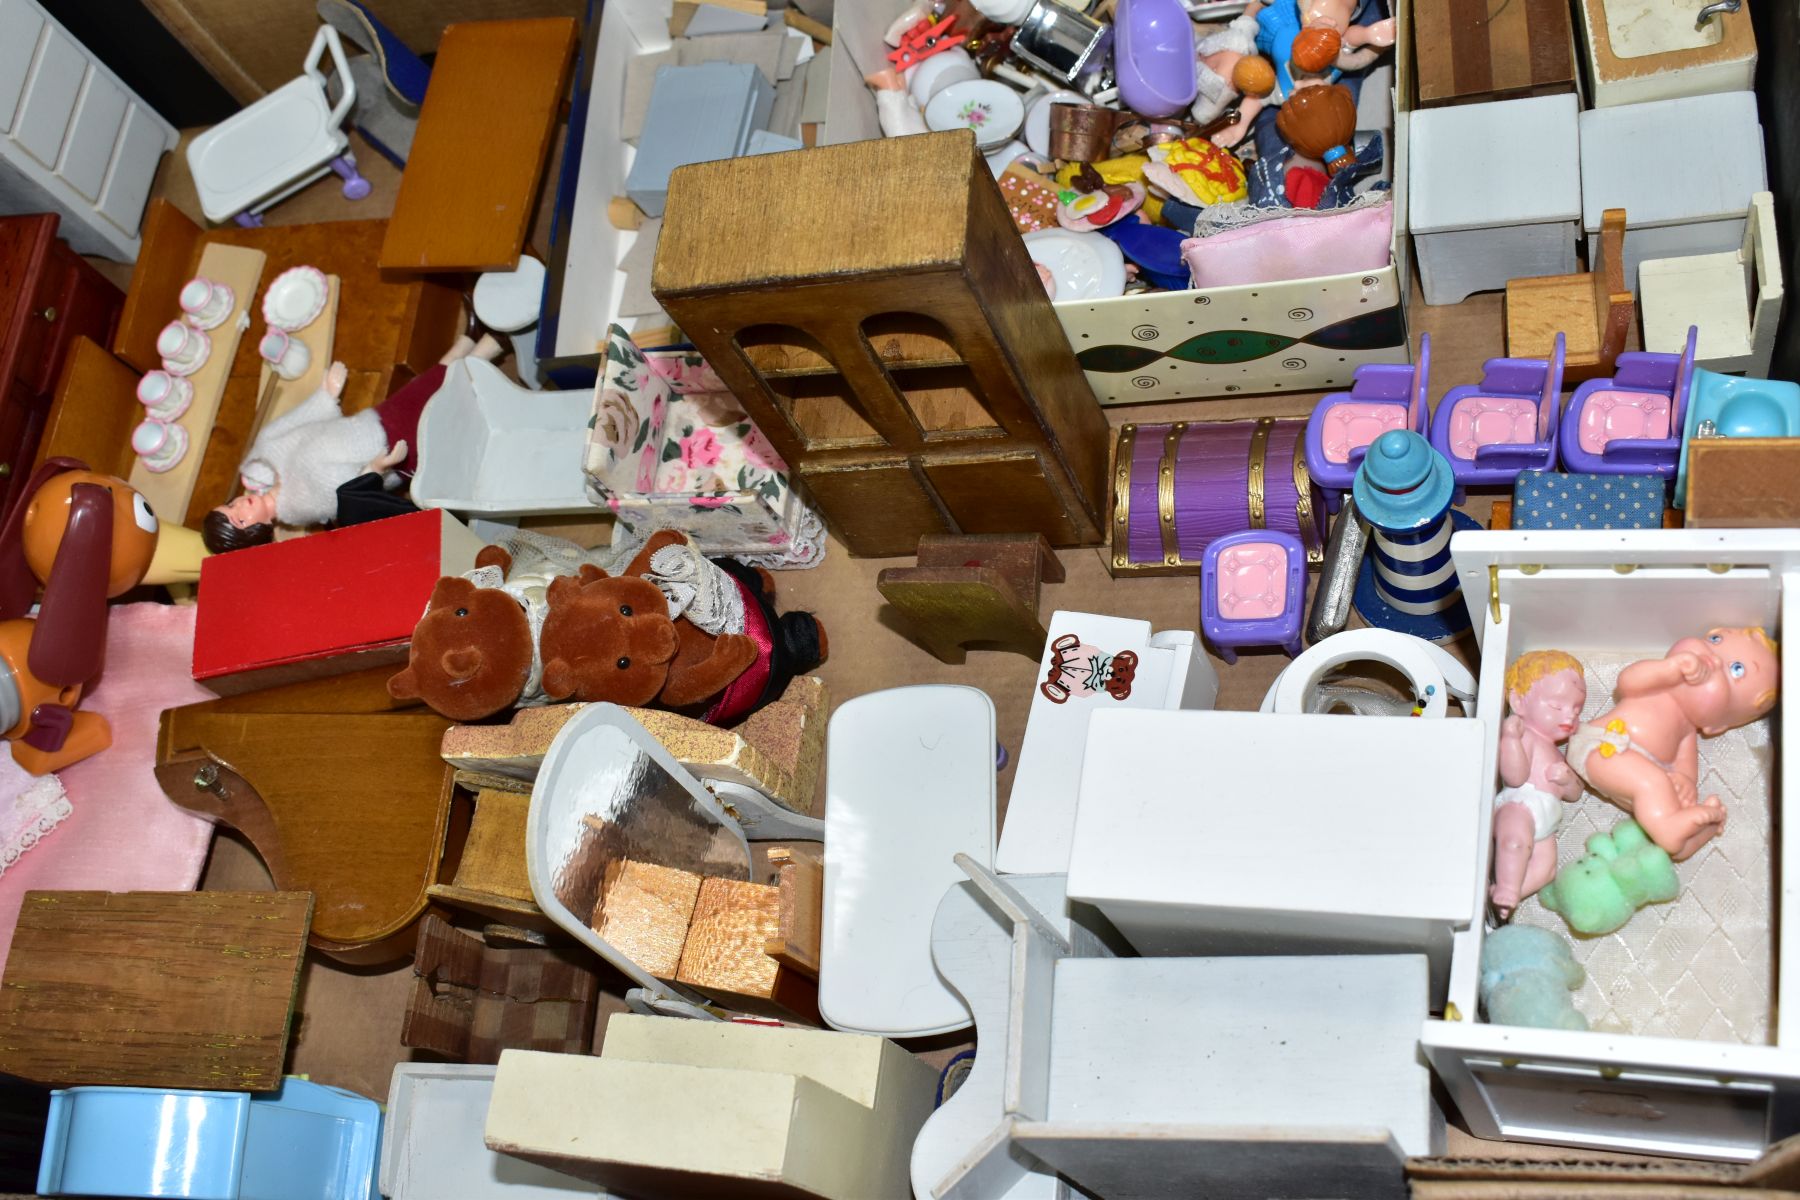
[(1653, 675), (1379, 34), (1356, 60), (1515, 762)]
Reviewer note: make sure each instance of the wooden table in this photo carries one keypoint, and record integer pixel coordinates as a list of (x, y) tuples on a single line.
[(470, 188), (153, 989), (388, 332)]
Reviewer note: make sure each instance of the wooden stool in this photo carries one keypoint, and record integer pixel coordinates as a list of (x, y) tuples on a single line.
[(974, 588), (1592, 310)]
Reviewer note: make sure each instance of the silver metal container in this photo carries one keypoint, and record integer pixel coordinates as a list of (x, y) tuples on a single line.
[(1061, 42)]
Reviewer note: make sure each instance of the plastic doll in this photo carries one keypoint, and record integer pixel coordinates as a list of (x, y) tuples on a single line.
[(1319, 38), (1545, 691), (308, 463), (1644, 753), (1230, 68)]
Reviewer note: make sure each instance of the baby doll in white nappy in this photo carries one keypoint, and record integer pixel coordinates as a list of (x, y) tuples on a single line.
[(1545, 691)]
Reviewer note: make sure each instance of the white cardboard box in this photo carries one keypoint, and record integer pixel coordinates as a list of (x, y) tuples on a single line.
[(432, 1147), (1264, 833), (1627, 592)]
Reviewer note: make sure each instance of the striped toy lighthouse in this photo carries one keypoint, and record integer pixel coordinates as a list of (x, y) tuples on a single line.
[(1408, 582)]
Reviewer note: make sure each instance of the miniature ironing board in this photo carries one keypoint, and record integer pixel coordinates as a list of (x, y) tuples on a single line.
[(280, 144)]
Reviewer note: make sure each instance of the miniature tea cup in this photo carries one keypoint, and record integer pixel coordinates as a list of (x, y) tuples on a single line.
[(287, 356), (164, 396), (206, 303), (160, 445), (183, 347)]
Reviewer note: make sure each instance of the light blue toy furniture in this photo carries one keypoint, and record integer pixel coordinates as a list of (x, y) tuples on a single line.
[(304, 1142), (1737, 407)]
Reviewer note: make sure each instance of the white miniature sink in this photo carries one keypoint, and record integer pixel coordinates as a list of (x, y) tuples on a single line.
[(1638, 28)]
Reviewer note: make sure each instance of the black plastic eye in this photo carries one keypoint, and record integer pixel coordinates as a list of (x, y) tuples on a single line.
[(624, 610), (624, 663), (462, 612)]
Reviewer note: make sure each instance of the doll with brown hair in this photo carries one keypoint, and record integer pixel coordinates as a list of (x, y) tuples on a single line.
[(1545, 691), (309, 464)]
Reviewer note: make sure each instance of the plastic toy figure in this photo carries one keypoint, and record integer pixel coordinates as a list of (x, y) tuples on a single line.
[(1230, 69), (1545, 691), (1319, 38), (1622, 871), (87, 538), (1526, 977), (1644, 753), (308, 464)]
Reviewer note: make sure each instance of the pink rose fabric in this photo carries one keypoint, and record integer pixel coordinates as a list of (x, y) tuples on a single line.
[(700, 449)]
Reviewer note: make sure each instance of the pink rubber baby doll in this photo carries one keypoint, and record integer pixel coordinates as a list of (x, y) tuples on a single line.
[(1545, 691), (1644, 753)]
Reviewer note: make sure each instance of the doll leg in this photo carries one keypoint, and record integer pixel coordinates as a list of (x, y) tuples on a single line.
[(1541, 869), (1515, 841), (1645, 790)]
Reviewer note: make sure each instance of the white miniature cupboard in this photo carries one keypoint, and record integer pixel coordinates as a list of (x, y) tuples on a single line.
[(73, 139)]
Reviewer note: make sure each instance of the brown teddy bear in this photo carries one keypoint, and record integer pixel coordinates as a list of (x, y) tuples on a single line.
[(471, 653)]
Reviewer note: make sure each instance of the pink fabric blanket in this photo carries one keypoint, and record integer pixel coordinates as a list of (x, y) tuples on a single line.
[(122, 834)]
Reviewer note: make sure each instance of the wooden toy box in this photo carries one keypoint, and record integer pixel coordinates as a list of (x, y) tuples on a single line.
[(585, 289), (1634, 593)]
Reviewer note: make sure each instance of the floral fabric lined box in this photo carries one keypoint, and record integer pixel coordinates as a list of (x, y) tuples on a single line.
[(669, 446)]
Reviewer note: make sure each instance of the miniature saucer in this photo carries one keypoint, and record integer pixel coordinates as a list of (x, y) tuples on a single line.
[(1084, 266), (1037, 118), (991, 109), (296, 298)]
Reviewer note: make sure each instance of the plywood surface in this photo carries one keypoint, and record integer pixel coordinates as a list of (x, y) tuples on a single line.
[(170, 491), (153, 989), (466, 198)]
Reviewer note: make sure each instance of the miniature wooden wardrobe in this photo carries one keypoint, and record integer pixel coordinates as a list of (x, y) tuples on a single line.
[(873, 310)]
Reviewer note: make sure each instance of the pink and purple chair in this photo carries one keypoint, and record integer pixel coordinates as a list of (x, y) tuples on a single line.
[(1253, 591), (1345, 424), (1631, 424), (1505, 424)]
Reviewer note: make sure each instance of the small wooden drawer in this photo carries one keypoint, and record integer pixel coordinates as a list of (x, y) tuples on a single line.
[(34, 364)]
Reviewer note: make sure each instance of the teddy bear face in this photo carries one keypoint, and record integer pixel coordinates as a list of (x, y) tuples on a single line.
[(606, 638), (471, 652)]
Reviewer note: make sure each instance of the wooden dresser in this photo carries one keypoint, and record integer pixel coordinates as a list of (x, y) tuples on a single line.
[(48, 297)]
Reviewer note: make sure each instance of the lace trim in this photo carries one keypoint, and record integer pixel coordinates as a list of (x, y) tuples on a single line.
[(52, 806)]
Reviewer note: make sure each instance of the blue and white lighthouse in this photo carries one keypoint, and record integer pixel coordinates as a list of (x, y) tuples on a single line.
[(1408, 582)]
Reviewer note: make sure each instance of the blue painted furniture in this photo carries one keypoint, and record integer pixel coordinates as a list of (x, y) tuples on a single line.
[(1343, 425), (1507, 423), (1734, 406), (303, 1142)]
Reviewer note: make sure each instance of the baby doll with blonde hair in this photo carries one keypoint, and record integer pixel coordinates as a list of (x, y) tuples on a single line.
[(1545, 691)]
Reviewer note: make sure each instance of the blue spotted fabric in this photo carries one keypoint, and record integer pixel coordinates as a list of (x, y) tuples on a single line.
[(1551, 500)]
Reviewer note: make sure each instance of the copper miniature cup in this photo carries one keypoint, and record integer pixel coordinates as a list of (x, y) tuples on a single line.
[(1081, 132)]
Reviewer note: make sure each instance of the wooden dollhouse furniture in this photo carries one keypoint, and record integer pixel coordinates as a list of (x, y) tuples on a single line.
[(470, 187), (1475, 225), (1672, 212), (1170, 1075), (1253, 592), (1737, 336), (1343, 424), (974, 588), (1505, 424), (1504, 54), (1631, 424), (74, 140), (1743, 483), (886, 331), (474, 997), (1589, 311), (49, 300), (1639, 51)]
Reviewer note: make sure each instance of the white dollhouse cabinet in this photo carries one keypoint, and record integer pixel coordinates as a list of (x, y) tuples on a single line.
[(73, 139), (1633, 595)]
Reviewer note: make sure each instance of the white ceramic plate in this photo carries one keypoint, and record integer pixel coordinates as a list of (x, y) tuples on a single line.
[(1086, 266), (1037, 119), (296, 298), (990, 108)]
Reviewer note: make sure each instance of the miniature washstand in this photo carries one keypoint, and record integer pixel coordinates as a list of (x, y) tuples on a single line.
[(885, 329)]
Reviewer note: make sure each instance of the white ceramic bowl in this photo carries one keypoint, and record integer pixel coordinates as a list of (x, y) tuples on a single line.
[(988, 107)]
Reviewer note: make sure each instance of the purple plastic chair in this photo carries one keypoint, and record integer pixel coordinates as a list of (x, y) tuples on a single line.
[(1631, 424), (1253, 591), (1505, 424), (1344, 424)]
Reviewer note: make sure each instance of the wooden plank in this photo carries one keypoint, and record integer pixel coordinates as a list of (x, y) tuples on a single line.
[(801, 882), (1743, 483), (170, 491), (95, 410), (470, 188), (278, 395), (153, 989), (169, 247), (644, 913), (733, 920)]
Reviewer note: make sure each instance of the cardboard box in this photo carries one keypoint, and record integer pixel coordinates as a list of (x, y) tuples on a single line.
[(326, 604)]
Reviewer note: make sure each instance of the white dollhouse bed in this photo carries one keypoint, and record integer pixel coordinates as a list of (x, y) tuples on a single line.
[(1690, 1052)]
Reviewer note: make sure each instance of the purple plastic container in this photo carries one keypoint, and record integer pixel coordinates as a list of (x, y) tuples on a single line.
[(1153, 56)]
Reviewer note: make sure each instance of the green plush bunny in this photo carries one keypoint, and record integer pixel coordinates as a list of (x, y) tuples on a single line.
[(1621, 872)]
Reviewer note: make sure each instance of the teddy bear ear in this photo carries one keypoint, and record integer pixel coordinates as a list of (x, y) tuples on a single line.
[(495, 556), (451, 589), (592, 574), (562, 589), (404, 686), (558, 680)]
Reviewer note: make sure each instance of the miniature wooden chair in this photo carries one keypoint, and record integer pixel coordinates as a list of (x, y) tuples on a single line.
[(1344, 424), (1734, 298), (1505, 424), (974, 588), (1592, 310)]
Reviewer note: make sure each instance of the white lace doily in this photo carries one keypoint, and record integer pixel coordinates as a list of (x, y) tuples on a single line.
[(26, 817), (1702, 965)]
